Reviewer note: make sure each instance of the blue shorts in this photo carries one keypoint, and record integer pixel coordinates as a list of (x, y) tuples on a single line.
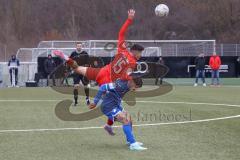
[(115, 111)]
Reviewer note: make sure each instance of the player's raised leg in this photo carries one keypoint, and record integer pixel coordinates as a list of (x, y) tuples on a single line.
[(89, 72)]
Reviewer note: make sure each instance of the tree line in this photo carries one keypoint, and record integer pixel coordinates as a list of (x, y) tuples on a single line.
[(23, 23)]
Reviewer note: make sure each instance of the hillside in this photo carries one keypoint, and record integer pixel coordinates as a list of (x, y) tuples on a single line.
[(24, 23)]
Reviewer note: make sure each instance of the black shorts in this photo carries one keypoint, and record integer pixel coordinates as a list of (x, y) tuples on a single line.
[(77, 78)]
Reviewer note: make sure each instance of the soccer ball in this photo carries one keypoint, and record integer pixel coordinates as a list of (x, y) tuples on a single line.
[(161, 10)]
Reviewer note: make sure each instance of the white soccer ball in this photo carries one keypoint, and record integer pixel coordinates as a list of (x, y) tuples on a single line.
[(161, 10)]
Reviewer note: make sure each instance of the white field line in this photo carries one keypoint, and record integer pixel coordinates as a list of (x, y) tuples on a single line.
[(154, 102), (191, 103), (29, 100), (137, 125)]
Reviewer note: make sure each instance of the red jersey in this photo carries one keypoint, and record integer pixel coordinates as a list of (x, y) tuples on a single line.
[(215, 62), (122, 65)]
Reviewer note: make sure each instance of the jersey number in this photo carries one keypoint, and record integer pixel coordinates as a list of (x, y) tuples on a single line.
[(118, 67)]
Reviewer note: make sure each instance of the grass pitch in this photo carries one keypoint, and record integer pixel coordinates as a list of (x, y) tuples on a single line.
[(170, 126)]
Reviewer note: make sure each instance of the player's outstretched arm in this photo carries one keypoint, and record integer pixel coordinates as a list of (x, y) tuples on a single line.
[(123, 30), (101, 91)]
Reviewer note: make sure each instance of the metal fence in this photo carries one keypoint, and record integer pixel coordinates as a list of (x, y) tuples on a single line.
[(107, 48), (167, 47), (228, 49)]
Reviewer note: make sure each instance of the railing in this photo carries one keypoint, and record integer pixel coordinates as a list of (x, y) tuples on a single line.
[(153, 47), (221, 49), (107, 48), (228, 49)]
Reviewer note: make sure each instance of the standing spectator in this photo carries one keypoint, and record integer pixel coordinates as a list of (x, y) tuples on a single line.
[(49, 66), (159, 65), (200, 69), (13, 65), (96, 64), (84, 57), (238, 67), (215, 63)]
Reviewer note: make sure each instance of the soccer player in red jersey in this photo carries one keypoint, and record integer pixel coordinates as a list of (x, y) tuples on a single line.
[(122, 65), (120, 68)]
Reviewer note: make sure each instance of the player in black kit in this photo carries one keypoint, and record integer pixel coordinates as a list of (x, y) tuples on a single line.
[(82, 58)]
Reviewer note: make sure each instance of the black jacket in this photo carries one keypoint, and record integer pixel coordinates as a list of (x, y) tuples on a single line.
[(82, 58), (49, 65), (200, 63), (159, 68)]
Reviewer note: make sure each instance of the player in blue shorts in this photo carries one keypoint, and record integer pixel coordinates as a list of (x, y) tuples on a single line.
[(109, 98)]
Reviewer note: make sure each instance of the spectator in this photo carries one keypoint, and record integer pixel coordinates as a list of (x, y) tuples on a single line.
[(96, 64), (238, 67), (215, 63), (49, 66), (158, 77), (200, 69), (13, 65)]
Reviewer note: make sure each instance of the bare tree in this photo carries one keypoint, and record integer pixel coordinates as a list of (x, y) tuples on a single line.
[(23, 23)]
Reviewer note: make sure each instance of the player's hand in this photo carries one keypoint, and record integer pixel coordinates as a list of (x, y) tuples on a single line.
[(92, 106), (131, 13)]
